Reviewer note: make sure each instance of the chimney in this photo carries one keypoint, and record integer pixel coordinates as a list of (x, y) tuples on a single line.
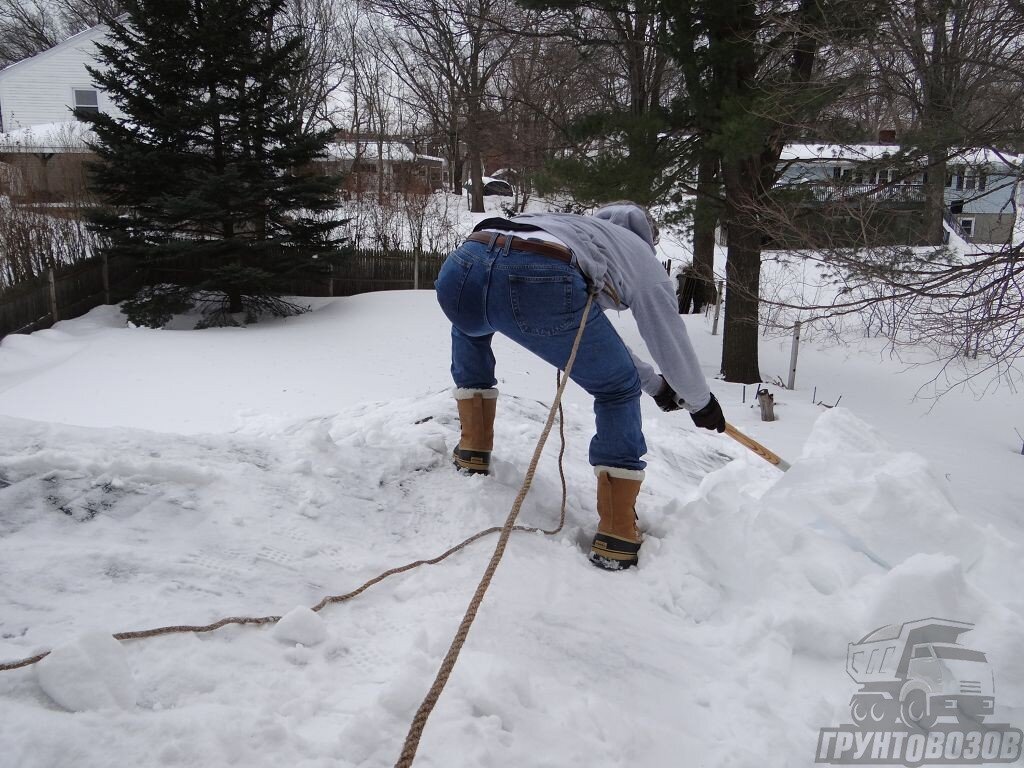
[(886, 135)]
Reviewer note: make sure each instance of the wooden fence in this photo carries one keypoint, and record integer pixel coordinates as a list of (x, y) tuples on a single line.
[(69, 292)]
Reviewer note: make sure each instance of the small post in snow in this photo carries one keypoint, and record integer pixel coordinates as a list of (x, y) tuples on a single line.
[(767, 402), (792, 356), (53, 294), (718, 307)]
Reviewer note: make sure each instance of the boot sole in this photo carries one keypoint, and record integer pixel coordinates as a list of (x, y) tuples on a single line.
[(611, 553), (473, 462)]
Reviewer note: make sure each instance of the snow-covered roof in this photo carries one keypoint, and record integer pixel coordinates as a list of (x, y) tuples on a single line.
[(825, 152), (367, 150), (68, 136), (432, 159), (859, 153)]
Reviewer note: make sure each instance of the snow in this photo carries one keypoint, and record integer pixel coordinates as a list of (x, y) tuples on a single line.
[(301, 626), (89, 673), (69, 136), (178, 477)]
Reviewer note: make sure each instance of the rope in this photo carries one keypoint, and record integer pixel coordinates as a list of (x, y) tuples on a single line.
[(419, 721), (332, 599)]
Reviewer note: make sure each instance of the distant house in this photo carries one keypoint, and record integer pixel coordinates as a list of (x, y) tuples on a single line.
[(980, 188), (45, 88), (362, 160), (42, 146)]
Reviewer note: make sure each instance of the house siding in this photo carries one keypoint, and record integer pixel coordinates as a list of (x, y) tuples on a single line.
[(38, 90)]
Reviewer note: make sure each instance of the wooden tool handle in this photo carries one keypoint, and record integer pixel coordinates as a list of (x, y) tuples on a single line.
[(756, 447)]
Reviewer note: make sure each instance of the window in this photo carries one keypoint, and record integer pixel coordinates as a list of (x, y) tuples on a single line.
[(886, 176), (959, 652), (970, 182), (967, 225), (849, 175), (87, 100), (922, 652)]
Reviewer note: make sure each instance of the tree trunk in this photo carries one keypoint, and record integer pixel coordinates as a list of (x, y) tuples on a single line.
[(476, 178), (935, 200), (743, 277), (705, 219), (380, 169)]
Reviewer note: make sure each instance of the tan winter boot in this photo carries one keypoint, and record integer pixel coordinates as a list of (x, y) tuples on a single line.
[(617, 541), (476, 412)]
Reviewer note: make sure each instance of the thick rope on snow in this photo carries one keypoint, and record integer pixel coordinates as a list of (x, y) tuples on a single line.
[(419, 721), (331, 599)]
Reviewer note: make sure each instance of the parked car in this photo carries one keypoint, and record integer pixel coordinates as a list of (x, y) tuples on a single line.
[(493, 186)]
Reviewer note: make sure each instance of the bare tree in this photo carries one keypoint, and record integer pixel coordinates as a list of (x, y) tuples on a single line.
[(317, 89), (546, 84), (375, 88), (28, 27), (448, 55), (942, 62)]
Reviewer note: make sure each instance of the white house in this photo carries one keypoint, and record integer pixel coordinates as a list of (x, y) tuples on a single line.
[(42, 146), (44, 88)]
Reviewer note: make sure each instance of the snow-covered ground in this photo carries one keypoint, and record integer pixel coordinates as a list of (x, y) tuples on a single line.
[(171, 477)]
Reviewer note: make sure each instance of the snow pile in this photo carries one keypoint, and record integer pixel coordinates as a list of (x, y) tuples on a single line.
[(851, 486), (88, 673), (301, 626)]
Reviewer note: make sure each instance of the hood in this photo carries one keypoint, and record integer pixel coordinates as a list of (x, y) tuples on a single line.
[(631, 217)]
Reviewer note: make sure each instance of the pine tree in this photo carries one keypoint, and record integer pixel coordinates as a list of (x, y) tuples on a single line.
[(210, 162)]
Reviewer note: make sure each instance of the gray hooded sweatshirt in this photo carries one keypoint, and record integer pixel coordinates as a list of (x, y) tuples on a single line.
[(615, 248)]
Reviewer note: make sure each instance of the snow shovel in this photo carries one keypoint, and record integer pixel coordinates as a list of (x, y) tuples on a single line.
[(756, 447)]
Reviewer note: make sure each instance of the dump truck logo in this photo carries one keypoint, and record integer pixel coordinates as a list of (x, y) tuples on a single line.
[(924, 699)]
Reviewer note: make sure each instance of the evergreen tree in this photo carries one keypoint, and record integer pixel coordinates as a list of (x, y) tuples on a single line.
[(210, 160), (753, 82)]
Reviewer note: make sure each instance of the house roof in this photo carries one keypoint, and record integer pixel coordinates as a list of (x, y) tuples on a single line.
[(69, 136), (86, 35)]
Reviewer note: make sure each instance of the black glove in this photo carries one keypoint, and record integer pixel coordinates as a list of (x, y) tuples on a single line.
[(710, 416), (666, 398)]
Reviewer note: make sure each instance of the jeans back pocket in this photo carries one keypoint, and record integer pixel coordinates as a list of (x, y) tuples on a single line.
[(542, 304)]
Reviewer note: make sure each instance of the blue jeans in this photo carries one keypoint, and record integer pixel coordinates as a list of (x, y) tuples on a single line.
[(538, 302)]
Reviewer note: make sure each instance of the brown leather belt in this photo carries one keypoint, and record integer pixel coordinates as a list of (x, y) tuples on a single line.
[(551, 250)]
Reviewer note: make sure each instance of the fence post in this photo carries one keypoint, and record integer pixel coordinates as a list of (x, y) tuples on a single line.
[(792, 355), (106, 279), (330, 280), (718, 307), (53, 294), (416, 270)]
